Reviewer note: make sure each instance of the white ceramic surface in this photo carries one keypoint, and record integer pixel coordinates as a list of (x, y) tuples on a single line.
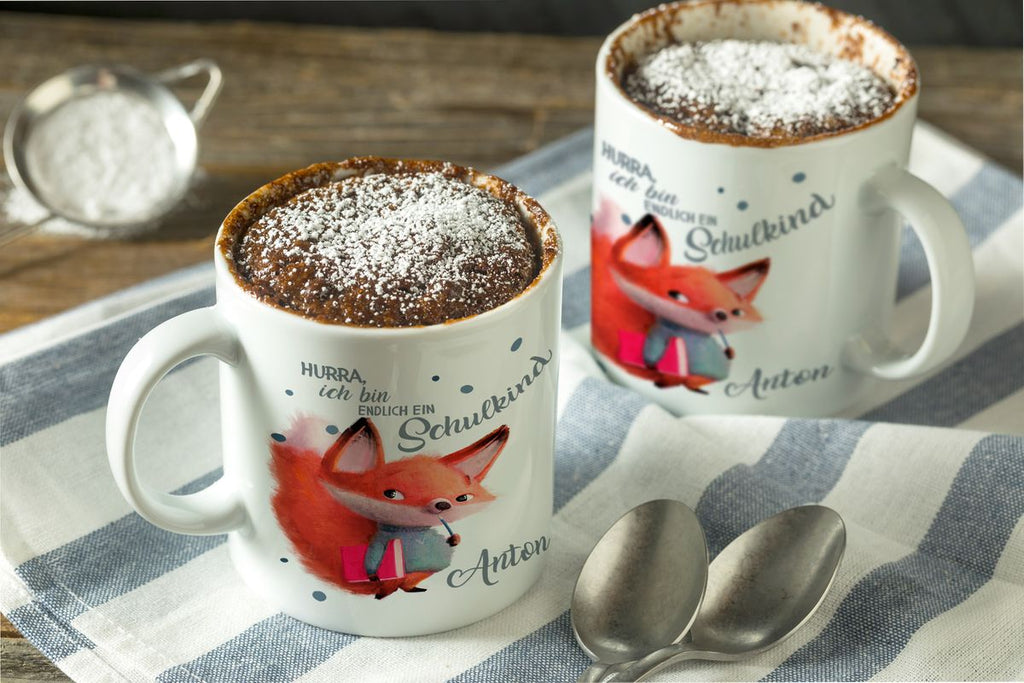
[(815, 224)]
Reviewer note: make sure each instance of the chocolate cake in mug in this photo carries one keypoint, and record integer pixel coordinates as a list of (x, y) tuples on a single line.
[(400, 244)]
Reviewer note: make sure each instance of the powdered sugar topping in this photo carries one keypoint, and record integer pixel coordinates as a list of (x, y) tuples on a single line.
[(103, 157), (758, 89), (389, 250)]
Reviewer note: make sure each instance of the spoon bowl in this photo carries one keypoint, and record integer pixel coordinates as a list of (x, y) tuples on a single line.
[(757, 595), (761, 588), (641, 586)]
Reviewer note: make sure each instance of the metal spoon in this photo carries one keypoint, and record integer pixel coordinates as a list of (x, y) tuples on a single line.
[(761, 588), (641, 586)]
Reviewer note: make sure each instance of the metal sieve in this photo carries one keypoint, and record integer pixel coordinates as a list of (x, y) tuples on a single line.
[(82, 81)]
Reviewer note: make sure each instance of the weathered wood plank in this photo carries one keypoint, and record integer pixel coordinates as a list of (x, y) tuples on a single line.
[(19, 661)]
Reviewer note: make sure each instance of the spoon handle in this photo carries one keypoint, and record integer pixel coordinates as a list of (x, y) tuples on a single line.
[(657, 660), (594, 673)]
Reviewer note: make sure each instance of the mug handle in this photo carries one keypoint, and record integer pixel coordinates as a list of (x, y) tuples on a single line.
[(215, 79), (216, 509), (950, 263)]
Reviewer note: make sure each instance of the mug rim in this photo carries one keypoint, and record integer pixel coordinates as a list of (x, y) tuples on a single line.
[(283, 188), (613, 57)]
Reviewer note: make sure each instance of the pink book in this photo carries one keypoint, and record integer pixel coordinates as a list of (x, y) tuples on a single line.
[(673, 362), (392, 565)]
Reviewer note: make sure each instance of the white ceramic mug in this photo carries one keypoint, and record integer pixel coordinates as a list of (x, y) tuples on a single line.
[(735, 275), (380, 482)]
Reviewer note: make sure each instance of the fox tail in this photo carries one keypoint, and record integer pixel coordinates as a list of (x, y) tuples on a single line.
[(316, 524)]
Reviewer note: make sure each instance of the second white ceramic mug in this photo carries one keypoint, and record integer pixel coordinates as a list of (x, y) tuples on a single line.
[(735, 275)]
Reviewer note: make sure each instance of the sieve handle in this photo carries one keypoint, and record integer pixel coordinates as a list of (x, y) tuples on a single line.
[(215, 80)]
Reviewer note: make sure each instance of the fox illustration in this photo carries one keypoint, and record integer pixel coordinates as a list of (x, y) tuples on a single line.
[(349, 496), (664, 322)]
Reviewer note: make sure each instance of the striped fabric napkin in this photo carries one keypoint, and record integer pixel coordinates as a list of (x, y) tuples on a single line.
[(927, 474)]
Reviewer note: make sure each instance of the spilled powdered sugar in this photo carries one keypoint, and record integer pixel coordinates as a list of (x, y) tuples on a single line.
[(758, 89), (388, 250)]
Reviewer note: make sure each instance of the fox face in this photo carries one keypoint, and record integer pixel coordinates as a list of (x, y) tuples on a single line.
[(690, 296), (418, 491)]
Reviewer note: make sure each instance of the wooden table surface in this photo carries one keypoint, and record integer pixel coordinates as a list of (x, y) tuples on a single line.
[(296, 95)]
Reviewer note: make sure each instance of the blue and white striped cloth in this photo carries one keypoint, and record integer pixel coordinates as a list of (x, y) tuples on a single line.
[(927, 474)]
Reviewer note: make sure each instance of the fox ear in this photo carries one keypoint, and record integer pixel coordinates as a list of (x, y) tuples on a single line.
[(645, 245), (356, 451), (475, 459), (746, 280)]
